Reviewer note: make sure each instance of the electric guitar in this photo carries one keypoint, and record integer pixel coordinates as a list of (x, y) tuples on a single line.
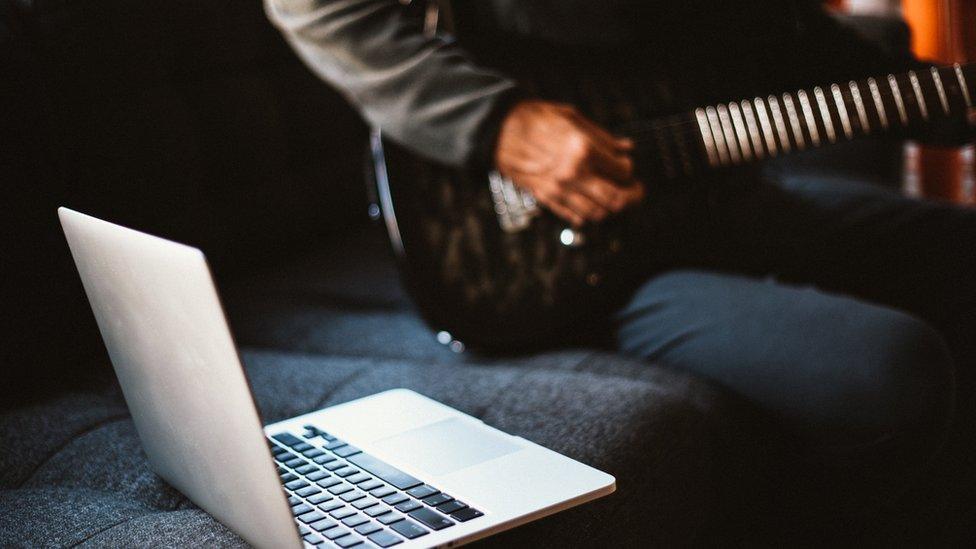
[(488, 267)]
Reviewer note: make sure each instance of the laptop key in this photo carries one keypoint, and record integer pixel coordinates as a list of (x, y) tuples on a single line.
[(432, 519), (306, 469), (312, 538), (394, 499), (346, 471), (320, 498), (308, 491), (382, 491), (383, 471), (335, 443), (314, 452), (325, 458), (377, 510), (437, 499), (335, 532), (288, 477), (287, 438), (331, 506), (324, 524), (343, 513), (352, 496), (365, 502), (385, 539), (347, 541), (409, 529), (390, 518), (295, 462), (370, 485), (408, 506), (451, 507), (316, 476), (355, 520), (340, 489), (293, 501), (466, 514), (302, 447), (346, 451), (302, 529), (368, 528), (329, 482), (296, 484), (358, 478), (421, 492), (301, 509), (314, 516), (335, 465)]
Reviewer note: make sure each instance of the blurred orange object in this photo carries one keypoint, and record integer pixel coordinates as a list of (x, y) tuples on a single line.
[(943, 31)]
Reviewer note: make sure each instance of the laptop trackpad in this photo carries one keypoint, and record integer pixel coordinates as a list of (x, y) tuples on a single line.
[(446, 446)]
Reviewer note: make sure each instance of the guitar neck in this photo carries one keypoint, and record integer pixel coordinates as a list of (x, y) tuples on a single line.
[(752, 130)]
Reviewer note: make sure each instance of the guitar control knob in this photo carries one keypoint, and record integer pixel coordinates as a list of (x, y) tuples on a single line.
[(593, 279), (373, 211), (571, 238)]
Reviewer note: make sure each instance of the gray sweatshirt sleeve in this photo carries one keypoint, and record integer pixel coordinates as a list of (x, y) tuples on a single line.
[(423, 92)]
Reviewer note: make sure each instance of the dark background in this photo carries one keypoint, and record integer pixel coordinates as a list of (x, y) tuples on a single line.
[(186, 118)]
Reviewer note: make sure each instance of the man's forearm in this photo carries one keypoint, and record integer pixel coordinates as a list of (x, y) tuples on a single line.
[(422, 92)]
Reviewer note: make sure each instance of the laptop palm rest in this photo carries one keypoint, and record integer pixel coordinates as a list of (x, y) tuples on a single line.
[(447, 446)]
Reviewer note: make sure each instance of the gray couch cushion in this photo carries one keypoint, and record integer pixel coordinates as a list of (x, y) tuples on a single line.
[(80, 475)]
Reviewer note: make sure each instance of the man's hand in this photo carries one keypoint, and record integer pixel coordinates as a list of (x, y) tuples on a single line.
[(572, 166)]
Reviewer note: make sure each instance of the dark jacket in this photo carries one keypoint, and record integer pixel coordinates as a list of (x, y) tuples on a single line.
[(442, 99)]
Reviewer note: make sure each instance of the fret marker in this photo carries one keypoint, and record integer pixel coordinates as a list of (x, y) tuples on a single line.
[(878, 103), (753, 127), (723, 153), (825, 114), (767, 129), (706, 133), (918, 94), (862, 114), (808, 116), (937, 78), (729, 131), (740, 131), (963, 85), (845, 120), (784, 136), (794, 121), (899, 102)]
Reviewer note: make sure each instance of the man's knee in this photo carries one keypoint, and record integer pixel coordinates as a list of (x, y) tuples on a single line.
[(908, 379)]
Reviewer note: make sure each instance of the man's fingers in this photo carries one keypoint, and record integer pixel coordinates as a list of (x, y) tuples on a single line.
[(586, 208), (618, 167), (600, 134), (610, 196)]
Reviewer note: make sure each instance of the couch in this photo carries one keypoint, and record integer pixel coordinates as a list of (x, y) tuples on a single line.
[(193, 120)]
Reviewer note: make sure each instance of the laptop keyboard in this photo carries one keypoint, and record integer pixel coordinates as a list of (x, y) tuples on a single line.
[(341, 496)]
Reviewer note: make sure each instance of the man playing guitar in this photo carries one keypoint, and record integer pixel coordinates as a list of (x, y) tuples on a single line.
[(846, 312)]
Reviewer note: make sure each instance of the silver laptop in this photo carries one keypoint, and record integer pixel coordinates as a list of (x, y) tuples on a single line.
[(393, 468)]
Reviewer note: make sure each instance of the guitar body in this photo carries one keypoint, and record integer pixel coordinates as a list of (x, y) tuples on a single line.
[(488, 287)]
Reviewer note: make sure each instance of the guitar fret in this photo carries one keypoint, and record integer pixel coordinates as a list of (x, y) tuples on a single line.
[(808, 117), (845, 120), (706, 133), (794, 121), (753, 127), (917, 87), (740, 131), (878, 103), (767, 129), (784, 136), (963, 85), (825, 113), (720, 145), (937, 78), (862, 114), (729, 133), (899, 102)]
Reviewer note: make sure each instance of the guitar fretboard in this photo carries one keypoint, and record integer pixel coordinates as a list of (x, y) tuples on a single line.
[(751, 130)]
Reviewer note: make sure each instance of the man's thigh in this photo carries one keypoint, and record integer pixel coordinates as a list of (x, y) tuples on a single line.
[(837, 235), (839, 372)]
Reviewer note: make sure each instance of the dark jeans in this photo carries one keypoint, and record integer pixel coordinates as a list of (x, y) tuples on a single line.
[(846, 312)]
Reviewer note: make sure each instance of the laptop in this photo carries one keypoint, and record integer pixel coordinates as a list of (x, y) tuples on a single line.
[(391, 469)]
